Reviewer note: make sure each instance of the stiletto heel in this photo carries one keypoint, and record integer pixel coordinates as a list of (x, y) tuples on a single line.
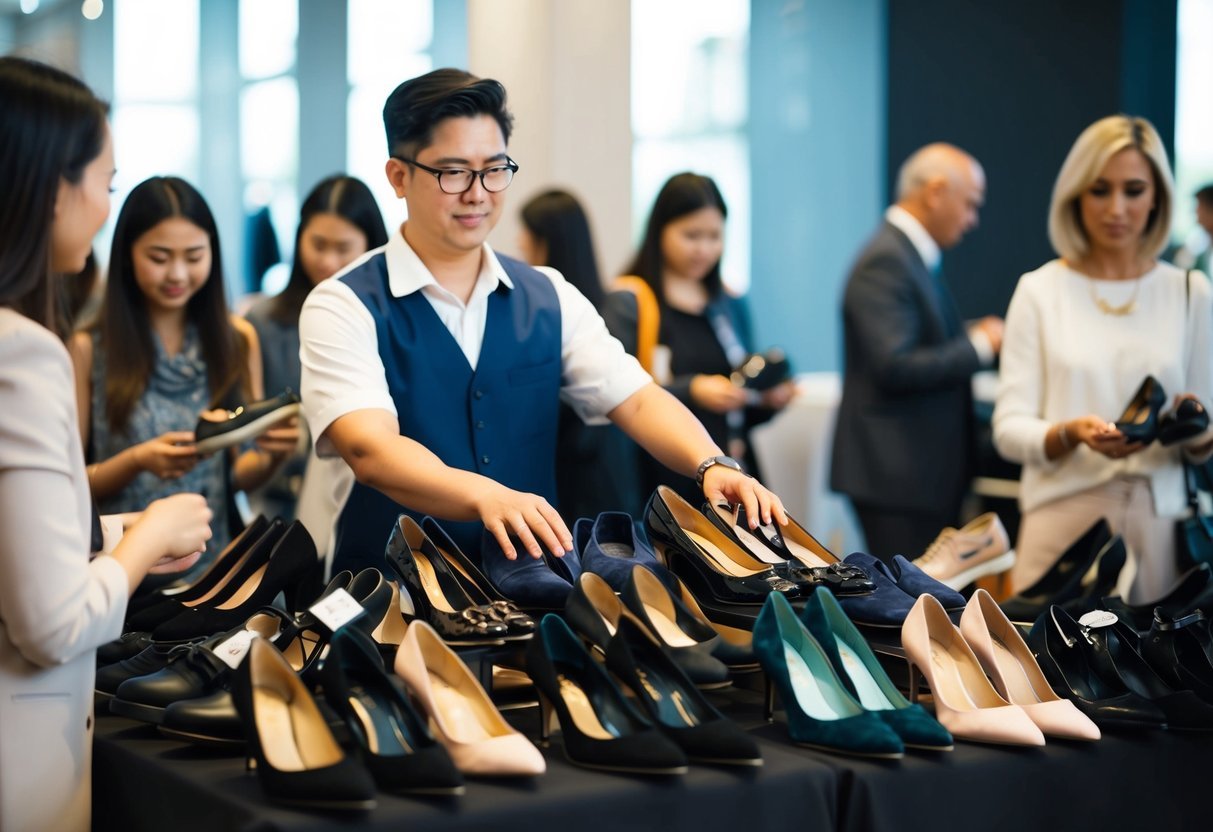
[(548, 721), (768, 699), (965, 701), (1139, 421), (915, 681), (436, 595)]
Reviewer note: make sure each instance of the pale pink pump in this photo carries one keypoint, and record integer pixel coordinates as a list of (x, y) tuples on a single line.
[(1017, 677), (461, 715), (965, 701)]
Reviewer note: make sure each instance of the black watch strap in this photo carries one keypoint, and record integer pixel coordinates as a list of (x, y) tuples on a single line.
[(726, 461)]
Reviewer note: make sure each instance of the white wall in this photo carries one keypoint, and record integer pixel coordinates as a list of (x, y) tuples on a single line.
[(566, 67)]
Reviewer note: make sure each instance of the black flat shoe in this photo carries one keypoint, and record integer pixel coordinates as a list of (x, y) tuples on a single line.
[(298, 761), (601, 728), (712, 565), (149, 660), (208, 721), (127, 646), (394, 741), (1187, 420), (1063, 581), (291, 570), (1193, 591), (673, 702), (245, 423), (1180, 650), (437, 596), (1067, 658), (1139, 422)]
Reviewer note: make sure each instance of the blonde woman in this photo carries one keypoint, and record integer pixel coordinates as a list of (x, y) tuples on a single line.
[(1082, 333)]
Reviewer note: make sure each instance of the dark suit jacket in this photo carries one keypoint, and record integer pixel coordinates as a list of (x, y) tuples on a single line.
[(903, 439)]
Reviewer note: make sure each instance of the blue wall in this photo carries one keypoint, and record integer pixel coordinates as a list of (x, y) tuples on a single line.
[(817, 152)]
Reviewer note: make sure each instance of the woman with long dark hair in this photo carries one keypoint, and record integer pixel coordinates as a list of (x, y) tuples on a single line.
[(56, 606), (164, 351), (338, 223), (556, 233), (704, 332)]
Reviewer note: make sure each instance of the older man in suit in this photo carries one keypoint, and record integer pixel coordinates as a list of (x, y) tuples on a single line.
[(903, 442)]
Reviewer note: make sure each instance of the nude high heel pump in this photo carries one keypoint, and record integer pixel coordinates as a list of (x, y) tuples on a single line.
[(965, 701), (1016, 675)]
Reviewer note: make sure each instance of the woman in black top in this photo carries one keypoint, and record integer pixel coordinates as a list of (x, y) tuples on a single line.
[(596, 465), (704, 332)]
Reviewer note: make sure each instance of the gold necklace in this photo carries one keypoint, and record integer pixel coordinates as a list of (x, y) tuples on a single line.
[(1126, 308)]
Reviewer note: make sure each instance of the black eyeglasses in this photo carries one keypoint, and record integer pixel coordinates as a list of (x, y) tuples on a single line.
[(459, 180)]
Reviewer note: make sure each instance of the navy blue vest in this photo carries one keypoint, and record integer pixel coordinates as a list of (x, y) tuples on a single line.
[(499, 421)]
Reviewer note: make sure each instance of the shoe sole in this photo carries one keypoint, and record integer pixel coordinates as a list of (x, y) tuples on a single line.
[(866, 754), (341, 805), (917, 747), (200, 739), (133, 710), (750, 762), (994, 566), (253, 428), (627, 769)]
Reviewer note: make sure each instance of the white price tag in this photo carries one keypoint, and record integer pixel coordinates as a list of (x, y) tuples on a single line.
[(336, 609), (1098, 618), (232, 651)]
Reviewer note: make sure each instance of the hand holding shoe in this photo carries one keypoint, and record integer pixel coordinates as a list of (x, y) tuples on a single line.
[(529, 517), (722, 484), (281, 439), (1100, 436), (168, 456)]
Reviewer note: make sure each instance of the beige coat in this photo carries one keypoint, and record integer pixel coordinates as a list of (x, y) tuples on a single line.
[(56, 606)]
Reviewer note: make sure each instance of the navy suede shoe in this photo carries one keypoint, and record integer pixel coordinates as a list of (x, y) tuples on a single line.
[(529, 582), (915, 582), (886, 606), (613, 546)]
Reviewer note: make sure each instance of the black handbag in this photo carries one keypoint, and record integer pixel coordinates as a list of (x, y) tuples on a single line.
[(1194, 533)]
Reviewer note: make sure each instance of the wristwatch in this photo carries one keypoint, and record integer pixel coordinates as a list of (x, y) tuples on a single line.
[(726, 461)]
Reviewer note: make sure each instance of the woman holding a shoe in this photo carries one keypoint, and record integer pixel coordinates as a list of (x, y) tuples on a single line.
[(1084, 333)]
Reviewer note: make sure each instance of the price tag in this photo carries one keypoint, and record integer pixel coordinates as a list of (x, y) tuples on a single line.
[(232, 651), (1098, 618), (336, 609)]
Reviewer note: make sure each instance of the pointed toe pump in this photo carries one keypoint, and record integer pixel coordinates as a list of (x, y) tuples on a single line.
[(1139, 421), (715, 567), (674, 704), (460, 713), (858, 668), (600, 727), (1017, 677), (436, 595), (965, 701), (298, 761), (821, 713), (395, 743)]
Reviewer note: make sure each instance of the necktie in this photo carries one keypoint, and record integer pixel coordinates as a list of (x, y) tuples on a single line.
[(947, 304)]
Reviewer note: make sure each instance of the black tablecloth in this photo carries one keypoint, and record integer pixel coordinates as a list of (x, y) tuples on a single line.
[(1148, 781)]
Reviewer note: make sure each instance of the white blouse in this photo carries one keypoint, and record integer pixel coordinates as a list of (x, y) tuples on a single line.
[(1062, 357)]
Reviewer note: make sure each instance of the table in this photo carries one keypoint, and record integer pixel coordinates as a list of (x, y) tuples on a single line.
[(1147, 781)]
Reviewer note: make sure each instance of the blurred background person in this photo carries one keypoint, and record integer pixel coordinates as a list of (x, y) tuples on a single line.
[(704, 332), (338, 223), (904, 438), (165, 350), (1083, 332), (597, 466)]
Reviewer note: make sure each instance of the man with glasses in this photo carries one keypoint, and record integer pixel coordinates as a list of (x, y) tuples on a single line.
[(434, 366)]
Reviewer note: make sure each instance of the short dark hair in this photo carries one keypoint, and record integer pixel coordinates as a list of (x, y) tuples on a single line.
[(125, 327), (682, 194), (416, 107), (348, 198), (53, 127), (1205, 194), (557, 219)]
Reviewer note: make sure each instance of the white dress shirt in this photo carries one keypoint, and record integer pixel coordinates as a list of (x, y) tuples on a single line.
[(343, 372), (1063, 358)]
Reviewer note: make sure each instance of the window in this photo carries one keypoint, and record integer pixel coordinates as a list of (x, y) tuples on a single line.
[(389, 42), (690, 109), (1193, 124)]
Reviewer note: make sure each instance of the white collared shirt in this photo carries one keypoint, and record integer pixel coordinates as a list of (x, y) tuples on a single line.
[(343, 372), (928, 250)]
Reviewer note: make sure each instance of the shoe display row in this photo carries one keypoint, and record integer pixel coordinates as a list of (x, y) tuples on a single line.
[(985, 683)]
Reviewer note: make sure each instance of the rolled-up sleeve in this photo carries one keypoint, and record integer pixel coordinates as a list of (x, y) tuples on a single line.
[(339, 356), (598, 374)]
